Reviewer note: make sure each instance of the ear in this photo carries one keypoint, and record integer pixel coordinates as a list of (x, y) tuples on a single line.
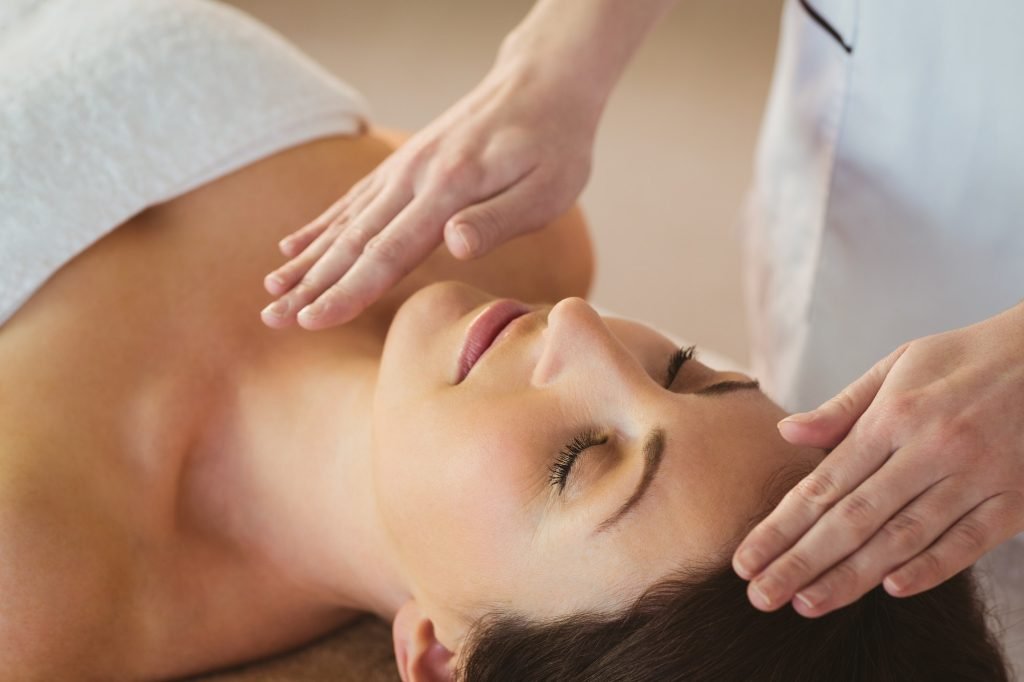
[(420, 657)]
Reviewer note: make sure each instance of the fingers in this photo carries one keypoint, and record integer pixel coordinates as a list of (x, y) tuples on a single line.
[(984, 527), (291, 273), (851, 463), (841, 530), (476, 230), (903, 536), (301, 246), (331, 256), (388, 257), (827, 425), (294, 243)]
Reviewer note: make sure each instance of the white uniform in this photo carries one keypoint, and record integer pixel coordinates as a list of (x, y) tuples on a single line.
[(889, 197)]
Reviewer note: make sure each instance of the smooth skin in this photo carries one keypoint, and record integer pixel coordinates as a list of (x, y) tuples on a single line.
[(182, 488), (168, 494), (517, 150)]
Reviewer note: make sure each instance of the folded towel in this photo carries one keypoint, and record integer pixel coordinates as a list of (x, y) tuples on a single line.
[(110, 106)]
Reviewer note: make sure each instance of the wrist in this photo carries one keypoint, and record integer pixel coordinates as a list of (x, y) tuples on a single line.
[(529, 74)]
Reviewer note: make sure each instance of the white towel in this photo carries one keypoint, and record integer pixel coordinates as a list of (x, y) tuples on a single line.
[(110, 106)]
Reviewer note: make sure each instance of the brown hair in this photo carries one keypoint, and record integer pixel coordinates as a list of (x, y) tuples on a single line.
[(706, 630), (699, 626)]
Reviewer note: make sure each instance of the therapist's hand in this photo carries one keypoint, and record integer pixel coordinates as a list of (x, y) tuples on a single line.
[(505, 160), (926, 475)]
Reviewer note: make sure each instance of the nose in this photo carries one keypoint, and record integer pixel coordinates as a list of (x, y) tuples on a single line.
[(578, 343)]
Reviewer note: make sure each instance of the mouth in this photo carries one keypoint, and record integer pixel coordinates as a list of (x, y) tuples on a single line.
[(484, 330)]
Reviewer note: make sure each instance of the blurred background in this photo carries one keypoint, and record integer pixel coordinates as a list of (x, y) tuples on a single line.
[(674, 152)]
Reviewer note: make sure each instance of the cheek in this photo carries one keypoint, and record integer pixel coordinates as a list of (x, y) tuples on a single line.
[(453, 489)]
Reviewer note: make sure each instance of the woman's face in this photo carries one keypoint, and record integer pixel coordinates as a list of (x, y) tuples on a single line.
[(510, 489)]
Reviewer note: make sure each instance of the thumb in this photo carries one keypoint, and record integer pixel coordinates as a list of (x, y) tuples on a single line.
[(477, 229), (828, 424)]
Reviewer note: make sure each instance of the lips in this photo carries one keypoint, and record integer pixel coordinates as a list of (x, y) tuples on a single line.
[(484, 329)]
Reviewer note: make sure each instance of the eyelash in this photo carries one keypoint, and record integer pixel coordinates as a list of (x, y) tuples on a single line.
[(559, 472), (677, 361), (560, 468)]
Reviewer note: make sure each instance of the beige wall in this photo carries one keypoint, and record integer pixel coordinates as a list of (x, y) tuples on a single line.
[(673, 154)]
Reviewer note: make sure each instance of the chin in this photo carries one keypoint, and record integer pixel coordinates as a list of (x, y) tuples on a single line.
[(422, 345)]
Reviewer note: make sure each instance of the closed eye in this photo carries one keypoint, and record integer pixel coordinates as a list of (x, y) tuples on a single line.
[(559, 470), (676, 362)]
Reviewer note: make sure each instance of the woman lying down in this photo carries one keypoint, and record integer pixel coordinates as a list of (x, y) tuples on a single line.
[(528, 491)]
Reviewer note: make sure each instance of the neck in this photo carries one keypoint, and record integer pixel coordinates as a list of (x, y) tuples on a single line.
[(291, 457)]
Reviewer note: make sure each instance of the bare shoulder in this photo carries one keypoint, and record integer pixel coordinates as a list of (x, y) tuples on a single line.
[(61, 596)]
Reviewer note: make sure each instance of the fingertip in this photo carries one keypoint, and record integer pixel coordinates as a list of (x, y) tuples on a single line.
[(324, 314), (791, 430), (274, 321), (274, 284), (894, 586), (462, 240), (802, 607), (810, 429), (758, 599), (805, 608), (309, 318), (746, 562)]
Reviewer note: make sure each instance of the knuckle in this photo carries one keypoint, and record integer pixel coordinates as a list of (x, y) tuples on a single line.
[(388, 249), (769, 536), (905, 531), (461, 169), (340, 293), (843, 578), (350, 243), (903, 406), (970, 535), (308, 282), (818, 490), (858, 511), (928, 569), (842, 402), (795, 568), (489, 223)]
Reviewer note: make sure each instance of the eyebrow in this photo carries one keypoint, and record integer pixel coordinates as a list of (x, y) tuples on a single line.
[(654, 450), (723, 387)]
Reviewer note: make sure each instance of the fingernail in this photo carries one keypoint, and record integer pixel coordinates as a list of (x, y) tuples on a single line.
[(813, 596), (798, 418), (275, 281), (895, 583), (748, 561), (761, 595), (285, 244), (315, 310), (468, 237), (276, 309)]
